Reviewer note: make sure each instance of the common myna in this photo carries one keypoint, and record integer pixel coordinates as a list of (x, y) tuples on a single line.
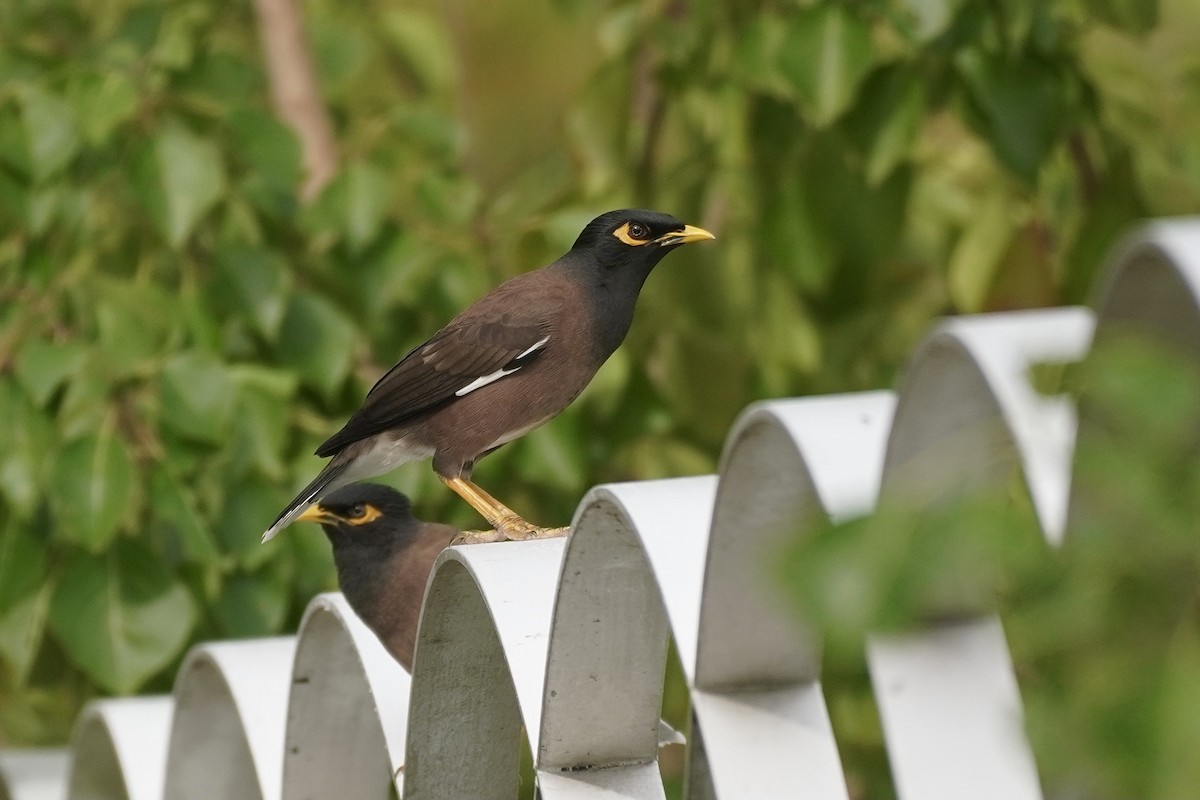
[(502, 367), (383, 556)]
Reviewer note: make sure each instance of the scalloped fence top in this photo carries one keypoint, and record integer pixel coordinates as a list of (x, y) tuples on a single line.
[(567, 639)]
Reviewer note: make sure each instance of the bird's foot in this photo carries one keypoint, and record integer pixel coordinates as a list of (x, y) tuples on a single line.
[(515, 529), (477, 537)]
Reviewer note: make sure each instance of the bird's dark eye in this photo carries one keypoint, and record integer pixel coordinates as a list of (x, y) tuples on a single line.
[(357, 511), (638, 231)]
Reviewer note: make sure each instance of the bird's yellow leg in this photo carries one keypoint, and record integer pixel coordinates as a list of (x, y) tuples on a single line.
[(506, 521)]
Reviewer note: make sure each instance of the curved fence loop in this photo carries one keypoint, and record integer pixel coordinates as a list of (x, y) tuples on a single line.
[(759, 723), (34, 773), (120, 749), (348, 707), (1152, 284), (969, 415), (226, 735), (478, 668), (607, 647)]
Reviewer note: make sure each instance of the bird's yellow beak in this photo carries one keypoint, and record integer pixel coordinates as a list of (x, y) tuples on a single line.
[(690, 233), (315, 513)]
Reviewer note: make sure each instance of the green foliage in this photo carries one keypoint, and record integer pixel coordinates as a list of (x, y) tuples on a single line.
[(178, 331), (1102, 629)]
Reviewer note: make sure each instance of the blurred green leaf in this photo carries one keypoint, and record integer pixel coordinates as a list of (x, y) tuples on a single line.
[(961, 559), (93, 488), (197, 396), (50, 132), (978, 252), (101, 103), (174, 507), (121, 617), (422, 42), (757, 54), (85, 403), (366, 197), (260, 431), (257, 281), (135, 323), (24, 597), (14, 150), (343, 51), (703, 378), (42, 207), (250, 507), (885, 120), (794, 240), (1021, 106), (933, 16), (1136, 16), (316, 340), (181, 177), (252, 604), (26, 440), (271, 152), (825, 56), (43, 367)]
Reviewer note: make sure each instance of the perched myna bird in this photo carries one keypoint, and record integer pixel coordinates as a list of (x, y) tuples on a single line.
[(383, 556), (502, 367)]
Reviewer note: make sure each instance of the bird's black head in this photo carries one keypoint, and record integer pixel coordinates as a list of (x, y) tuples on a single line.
[(364, 514), (635, 237)]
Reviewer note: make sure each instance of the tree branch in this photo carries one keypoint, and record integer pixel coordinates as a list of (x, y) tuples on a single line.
[(295, 92)]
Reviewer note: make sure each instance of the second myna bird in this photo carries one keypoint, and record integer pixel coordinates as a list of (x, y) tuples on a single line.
[(508, 363), (383, 555)]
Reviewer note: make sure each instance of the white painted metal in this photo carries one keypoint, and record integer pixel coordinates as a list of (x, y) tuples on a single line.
[(479, 668), (227, 732), (607, 646), (120, 749), (671, 519), (347, 709), (613, 783), (1152, 289), (34, 774), (1153, 284), (785, 464), (969, 416), (952, 714), (760, 721)]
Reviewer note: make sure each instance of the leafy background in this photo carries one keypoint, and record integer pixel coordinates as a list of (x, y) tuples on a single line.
[(178, 330)]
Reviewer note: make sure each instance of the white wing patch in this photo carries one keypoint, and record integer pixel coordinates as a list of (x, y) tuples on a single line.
[(500, 373), (538, 345)]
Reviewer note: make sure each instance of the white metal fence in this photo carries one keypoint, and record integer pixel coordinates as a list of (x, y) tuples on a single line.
[(568, 638)]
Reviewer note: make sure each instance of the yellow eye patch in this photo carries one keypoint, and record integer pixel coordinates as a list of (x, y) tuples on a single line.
[(369, 514), (626, 234)]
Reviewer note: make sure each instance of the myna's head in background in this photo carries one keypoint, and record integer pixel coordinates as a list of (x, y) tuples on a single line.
[(383, 556)]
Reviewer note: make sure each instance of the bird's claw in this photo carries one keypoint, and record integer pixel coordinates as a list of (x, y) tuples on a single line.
[(477, 537), (516, 529)]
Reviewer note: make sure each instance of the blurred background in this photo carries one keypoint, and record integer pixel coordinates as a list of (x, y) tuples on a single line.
[(187, 309)]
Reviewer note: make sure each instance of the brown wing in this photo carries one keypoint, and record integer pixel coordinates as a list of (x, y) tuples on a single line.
[(460, 358)]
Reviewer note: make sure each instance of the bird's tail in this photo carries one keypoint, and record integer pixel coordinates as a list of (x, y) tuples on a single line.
[(330, 478)]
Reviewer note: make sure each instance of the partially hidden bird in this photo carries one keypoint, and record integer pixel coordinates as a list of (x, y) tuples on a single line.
[(508, 363), (383, 556)]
